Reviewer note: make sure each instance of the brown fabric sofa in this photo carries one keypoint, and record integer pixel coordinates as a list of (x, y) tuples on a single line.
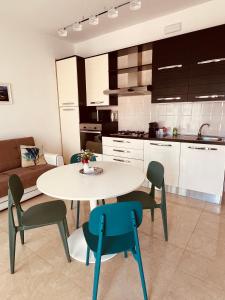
[(10, 163)]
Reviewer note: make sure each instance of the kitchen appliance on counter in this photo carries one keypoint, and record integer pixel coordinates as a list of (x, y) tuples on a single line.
[(153, 128), (91, 135)]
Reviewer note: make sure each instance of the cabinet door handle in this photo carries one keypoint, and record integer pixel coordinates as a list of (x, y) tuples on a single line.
[(209, 61), (203, 148), (170, 67), (118, 150), (120, 141), (67, 103), (68, 109), (97, 102), (168, 98), (121, 160), (161, 145), (209, 96)]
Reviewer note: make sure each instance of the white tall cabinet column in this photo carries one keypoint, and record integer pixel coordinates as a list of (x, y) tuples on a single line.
[(68, 106)]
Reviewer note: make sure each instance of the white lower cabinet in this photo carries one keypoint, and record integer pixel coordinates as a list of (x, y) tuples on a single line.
[(202, 168), (70, 131), (168, 154), (124, 151)]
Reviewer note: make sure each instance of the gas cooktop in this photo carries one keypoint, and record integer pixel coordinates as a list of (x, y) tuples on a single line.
[(128, 133)]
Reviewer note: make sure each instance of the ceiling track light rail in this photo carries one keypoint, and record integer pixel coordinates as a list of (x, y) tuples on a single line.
[(94, 19)]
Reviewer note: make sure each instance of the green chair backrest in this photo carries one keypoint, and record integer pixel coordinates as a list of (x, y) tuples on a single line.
[(75, 158), (117, 218), (16, 190), (155, 174)]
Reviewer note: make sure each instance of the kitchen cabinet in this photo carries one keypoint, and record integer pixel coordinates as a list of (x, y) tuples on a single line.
[(202, 168), (67, 81), (97, 80), (70, 131), (71, 81), (190, 67), (122, 150), (168, 154), (170, 70)]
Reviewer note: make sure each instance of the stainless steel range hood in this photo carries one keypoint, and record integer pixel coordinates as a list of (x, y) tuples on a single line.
[(130, 91)]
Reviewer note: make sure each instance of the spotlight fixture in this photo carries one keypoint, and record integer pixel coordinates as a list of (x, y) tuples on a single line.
[(135, 4), (62, 32), (93, 20), (113, 13), (77, 26)]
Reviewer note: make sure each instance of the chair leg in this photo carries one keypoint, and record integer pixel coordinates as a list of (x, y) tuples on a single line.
[(22, 237), (87, 256), (152, 214), (71, 205), (140, 266), (103, 201), (12, 249), (62, 231), (66, 227), (164, 219), (96, 276), (125, 254), (78, 214)]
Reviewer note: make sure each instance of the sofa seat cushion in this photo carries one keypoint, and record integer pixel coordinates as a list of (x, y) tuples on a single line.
[(27, 175), (3, 185)]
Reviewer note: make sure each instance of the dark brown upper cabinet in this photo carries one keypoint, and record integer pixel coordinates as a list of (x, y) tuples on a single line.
[(170, 70), (207, 65), (190, 67)]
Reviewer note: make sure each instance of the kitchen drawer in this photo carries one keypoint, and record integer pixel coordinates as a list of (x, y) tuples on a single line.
[(128, 161), (128, 153), (123, 143)]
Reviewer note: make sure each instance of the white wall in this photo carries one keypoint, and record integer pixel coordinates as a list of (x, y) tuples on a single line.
[(27, 61), (208, 14)]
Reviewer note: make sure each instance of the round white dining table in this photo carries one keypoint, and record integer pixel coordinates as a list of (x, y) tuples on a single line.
[(67, 183)]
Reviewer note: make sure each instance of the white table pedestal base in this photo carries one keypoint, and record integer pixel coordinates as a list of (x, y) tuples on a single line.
[(78, 248)]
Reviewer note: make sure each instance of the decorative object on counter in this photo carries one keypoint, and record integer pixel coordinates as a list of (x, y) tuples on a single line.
[(112, 13), (175, 131), (5, 93)]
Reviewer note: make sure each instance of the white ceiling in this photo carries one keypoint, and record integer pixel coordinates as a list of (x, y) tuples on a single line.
[(49, 15)]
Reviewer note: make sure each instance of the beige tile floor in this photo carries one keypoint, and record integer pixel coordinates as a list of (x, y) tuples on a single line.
[(191, 265)]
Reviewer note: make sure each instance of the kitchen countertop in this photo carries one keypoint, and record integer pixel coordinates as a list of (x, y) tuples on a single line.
[(179, 138)]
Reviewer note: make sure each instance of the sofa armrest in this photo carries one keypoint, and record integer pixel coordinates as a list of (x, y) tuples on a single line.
[(54, 159)]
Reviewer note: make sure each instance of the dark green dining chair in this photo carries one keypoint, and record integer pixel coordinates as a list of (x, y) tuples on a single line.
[(75, 158), (112, 228), (48, 213), (155, 175)]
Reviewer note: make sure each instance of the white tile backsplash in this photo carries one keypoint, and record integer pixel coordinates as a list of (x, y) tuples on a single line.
[(137, 111)]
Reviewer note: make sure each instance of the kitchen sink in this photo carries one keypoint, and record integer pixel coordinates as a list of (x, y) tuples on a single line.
[(209, 138)]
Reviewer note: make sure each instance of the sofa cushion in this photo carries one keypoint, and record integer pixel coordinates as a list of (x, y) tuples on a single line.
[(10, 157), (27, 175)]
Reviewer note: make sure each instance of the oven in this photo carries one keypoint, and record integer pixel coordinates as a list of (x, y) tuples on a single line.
[(91, 137)]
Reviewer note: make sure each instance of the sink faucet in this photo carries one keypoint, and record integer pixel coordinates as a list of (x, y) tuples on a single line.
[(200, 129)]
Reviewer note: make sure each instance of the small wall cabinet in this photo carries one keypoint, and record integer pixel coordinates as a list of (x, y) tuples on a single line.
[(97, 80)]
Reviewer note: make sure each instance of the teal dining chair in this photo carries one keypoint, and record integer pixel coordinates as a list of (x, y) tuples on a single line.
[(112, 228), (48, 213), (155, 174), (75, 158)]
